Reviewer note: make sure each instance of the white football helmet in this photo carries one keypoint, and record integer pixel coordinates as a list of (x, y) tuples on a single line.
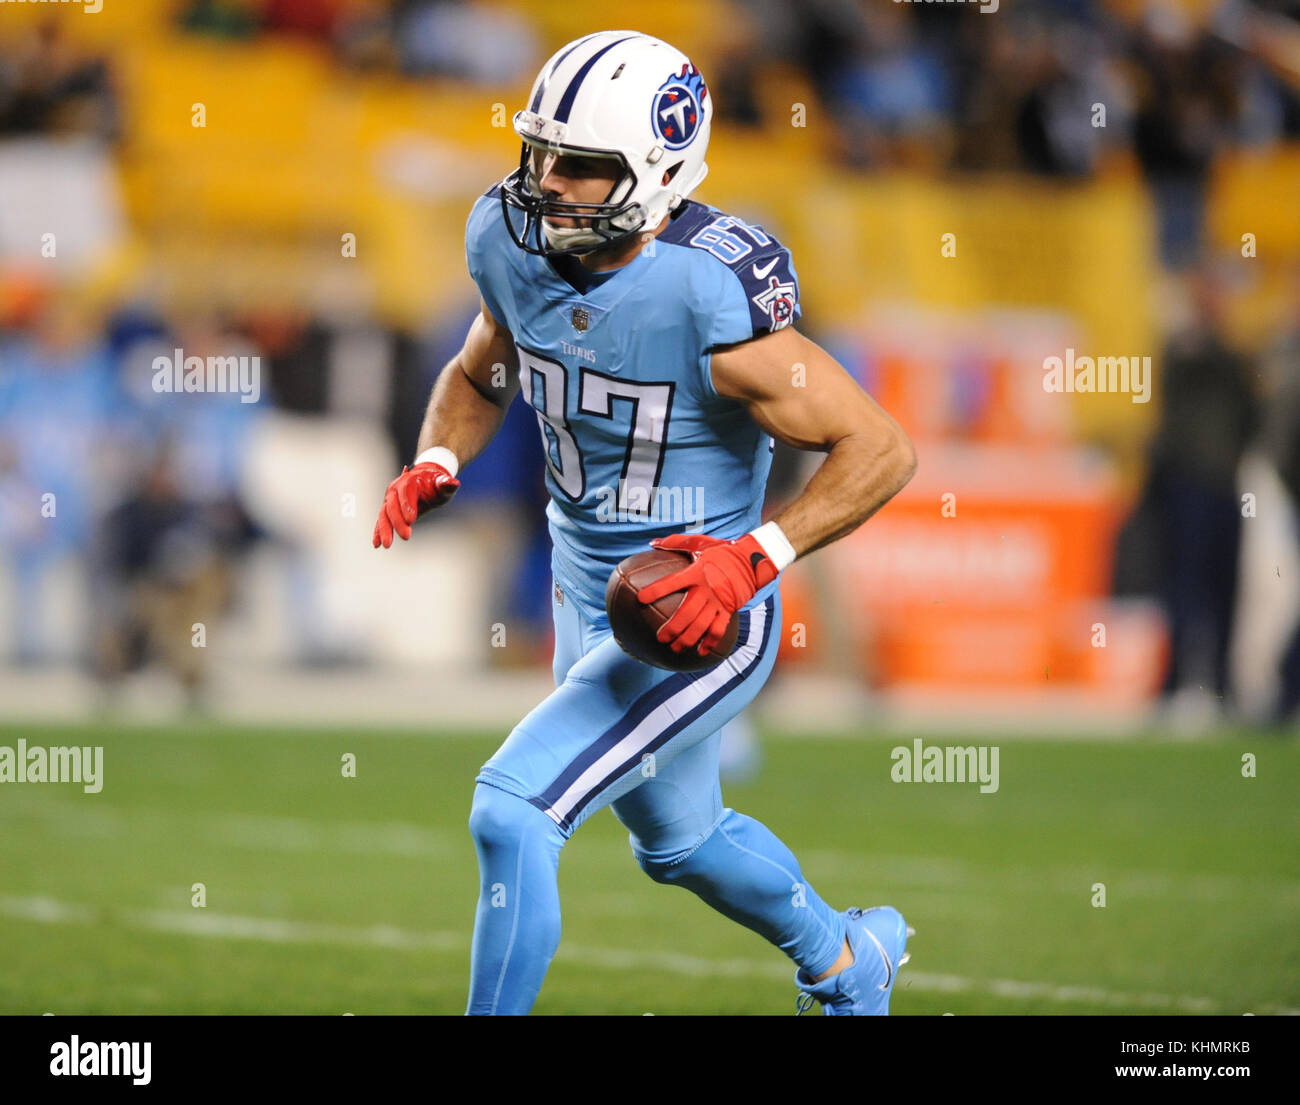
[(616, 94)]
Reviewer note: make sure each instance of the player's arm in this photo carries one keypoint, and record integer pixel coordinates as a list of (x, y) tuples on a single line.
[(466, 409), (801, 395), (796, 392), (472, 393)]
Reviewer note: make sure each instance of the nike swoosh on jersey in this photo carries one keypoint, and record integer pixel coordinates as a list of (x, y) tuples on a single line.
[(759, 274)]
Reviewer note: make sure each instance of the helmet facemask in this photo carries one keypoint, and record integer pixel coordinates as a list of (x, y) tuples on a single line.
[(616, 94), (600, 224)]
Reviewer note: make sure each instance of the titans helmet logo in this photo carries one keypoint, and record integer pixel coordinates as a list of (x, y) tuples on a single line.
[(678, 108)]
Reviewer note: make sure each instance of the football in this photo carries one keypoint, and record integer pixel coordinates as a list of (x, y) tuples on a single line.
[(635, 624)]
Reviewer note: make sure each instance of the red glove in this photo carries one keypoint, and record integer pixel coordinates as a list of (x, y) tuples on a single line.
[(721, 578), (424, 487)]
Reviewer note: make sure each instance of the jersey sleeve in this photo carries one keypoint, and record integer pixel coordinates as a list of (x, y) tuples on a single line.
[(771, 290), (758, 290), (755, 291), (484, 262)]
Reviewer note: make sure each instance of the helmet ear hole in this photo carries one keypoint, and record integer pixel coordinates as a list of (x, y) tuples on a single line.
[(672, 172)]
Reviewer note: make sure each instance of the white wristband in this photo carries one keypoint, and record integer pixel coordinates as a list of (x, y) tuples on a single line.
[(440, 455), (775, 543)]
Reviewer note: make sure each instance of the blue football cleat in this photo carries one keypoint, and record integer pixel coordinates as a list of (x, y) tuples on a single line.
[(878, 939)]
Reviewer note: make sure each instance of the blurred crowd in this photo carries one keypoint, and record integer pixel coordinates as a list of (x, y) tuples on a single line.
[(138, 488), (446, 38), (148, 494), (1048, 87)]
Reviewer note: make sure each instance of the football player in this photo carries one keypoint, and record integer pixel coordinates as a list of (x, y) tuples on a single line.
[(653, 335)]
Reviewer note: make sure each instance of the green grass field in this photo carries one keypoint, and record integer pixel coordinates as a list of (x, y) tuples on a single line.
[(333, 895)]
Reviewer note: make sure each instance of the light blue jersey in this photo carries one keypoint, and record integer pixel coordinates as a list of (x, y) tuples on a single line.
[(638, 442)]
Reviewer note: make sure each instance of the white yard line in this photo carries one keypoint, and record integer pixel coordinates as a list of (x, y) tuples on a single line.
[(42, 910)]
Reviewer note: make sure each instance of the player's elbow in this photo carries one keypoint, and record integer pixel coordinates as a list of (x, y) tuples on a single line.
[(884, 460), (903, 458), (891, 459)]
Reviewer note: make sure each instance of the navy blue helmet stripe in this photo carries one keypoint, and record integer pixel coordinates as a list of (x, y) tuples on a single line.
[(571, 93), (541, 85), (638, 712)]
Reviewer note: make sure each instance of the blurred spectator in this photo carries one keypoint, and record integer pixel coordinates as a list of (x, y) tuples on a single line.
[(822, 38), (1209, 415), (308, 18), (294, 346), (49, 85), (163, 568), (1281, 441), (363, 36), (1269, 32), (56, 397), (1054, 127), (455, 39), (891, 97), (221, 18), (1188, 87)]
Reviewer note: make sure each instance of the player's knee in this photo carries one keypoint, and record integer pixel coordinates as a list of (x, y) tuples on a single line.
[(678, 867), (674, 869), (659, 870), (498, 819)]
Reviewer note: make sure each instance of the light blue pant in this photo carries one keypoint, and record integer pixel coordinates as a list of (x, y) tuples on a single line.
[(618, 732)]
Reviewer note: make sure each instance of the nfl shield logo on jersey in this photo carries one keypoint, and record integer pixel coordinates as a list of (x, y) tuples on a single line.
[(581, 319)]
